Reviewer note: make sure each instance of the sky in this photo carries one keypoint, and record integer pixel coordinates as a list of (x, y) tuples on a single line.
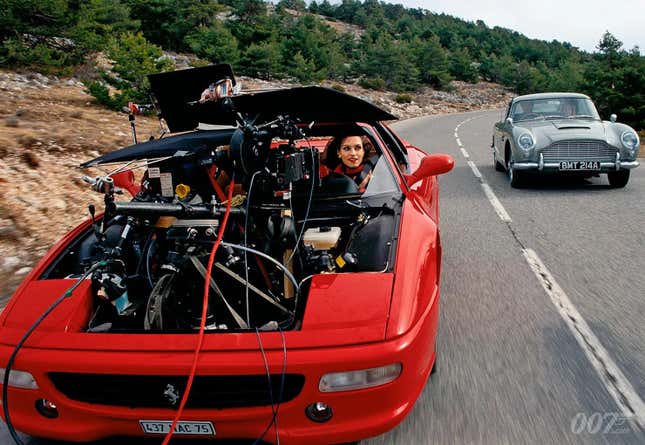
[(579, 22)]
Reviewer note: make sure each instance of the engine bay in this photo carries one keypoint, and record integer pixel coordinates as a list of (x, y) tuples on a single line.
[(282, 227)]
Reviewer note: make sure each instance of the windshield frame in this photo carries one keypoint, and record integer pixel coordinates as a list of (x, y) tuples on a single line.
[(553, 108)]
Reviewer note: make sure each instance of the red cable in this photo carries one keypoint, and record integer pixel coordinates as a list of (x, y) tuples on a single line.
[(218, 189), (202, 326)]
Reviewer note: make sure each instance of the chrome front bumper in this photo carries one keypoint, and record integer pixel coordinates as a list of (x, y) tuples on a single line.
[(604, 166)]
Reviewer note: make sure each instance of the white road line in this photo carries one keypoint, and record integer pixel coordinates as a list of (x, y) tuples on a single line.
[(614, 380), (612, 377), (499, 208), (475, 170)]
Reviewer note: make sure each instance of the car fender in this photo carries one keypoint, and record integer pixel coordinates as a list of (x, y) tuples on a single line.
[(416, 284)]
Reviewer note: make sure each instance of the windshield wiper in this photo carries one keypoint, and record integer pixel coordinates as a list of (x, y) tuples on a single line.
[(580, 116)]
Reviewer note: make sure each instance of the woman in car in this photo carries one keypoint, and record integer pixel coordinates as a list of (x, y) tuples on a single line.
[(350, 156)]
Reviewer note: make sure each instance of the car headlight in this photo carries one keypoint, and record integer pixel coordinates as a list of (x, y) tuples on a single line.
[(629, 139), (364, 378), (19, 379), (526, 141)]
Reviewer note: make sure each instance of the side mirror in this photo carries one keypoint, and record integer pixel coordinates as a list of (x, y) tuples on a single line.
[(613, 118), (509, 121), (431, 165), (125, 180)]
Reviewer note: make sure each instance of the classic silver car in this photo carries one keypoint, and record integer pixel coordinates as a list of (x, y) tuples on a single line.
[(562, 132)]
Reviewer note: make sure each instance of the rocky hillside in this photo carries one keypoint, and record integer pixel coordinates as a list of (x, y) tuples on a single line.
[(50, 125)]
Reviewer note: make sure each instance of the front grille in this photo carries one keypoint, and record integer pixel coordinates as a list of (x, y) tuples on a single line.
[(579, 150), (139, 391)]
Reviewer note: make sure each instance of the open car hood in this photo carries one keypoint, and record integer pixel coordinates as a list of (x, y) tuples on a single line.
[(177, 92), (169, 146)]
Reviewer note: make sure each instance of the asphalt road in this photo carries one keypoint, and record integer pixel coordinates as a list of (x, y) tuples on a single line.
[(511, 369)]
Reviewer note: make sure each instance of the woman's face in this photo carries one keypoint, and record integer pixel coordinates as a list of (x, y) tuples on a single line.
[(351, 151)]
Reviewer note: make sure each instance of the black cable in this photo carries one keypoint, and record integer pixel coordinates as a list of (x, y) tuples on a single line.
[(274, 419), (246, 266), (282, 380), (266, 368), (311, 195), (5, 381)]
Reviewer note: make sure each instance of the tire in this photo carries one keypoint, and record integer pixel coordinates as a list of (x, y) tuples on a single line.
[(498, 165), (618, 179), (515, 177)]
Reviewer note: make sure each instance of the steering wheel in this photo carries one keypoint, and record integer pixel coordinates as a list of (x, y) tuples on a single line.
[(338, 184)]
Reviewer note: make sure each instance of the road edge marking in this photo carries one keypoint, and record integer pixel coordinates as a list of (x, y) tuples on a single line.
[(610, 374)]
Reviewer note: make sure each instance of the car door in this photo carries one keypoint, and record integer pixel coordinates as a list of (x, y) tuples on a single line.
[(501, 132)]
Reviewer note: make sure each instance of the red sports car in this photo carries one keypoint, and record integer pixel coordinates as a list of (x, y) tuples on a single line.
[(317, 227)]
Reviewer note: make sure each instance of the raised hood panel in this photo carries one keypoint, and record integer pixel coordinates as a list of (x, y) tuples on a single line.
[(342, 309), (564, 129)]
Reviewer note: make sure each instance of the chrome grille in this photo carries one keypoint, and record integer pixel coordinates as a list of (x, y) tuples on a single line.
[(579, 150)]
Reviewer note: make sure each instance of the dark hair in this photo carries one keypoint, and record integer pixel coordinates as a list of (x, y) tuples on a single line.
[(332, 148)]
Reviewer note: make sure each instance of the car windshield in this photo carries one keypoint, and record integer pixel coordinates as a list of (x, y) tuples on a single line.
[(554, 108)]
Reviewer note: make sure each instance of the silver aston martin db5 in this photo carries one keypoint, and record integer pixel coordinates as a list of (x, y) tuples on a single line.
[(562, 132)]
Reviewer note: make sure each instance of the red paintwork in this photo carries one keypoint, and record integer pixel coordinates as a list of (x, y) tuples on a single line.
[(431, 165), (352, 321)]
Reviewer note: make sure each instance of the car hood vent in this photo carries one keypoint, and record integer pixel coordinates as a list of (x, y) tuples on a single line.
[(571, 125)]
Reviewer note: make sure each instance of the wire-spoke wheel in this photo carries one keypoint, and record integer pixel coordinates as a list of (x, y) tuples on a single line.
[(515, 177)]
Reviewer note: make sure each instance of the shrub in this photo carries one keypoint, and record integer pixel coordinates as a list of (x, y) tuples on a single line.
[(403, 98), (373, 83)]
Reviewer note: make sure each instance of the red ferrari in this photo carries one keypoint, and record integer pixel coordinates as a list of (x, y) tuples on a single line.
[(275, 277)]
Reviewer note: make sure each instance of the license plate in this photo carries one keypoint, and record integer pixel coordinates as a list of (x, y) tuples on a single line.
[(183, 427), (580, 165)]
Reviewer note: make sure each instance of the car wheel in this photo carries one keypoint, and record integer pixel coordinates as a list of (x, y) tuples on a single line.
[(498, 165), (515, 177), (618, 179)]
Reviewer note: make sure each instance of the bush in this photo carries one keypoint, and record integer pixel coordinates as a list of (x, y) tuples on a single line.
[(403, 98), (134, 57), (46, 58), (338, 87), (373, 83), (101, 93)]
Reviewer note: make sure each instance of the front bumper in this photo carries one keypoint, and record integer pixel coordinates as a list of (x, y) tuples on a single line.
[(356, 414), (605, 166)]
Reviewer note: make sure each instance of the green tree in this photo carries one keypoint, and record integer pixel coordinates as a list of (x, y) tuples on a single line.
[(393, 62), (261, 60), (462, 66), (214, 43), (432, 62), (134, 57), (99, 20), (37, 33)]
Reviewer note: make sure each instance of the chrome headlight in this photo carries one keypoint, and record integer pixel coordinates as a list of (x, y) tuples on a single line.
[(629, 139), (364, 378), (526, 141), (19, 379)]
